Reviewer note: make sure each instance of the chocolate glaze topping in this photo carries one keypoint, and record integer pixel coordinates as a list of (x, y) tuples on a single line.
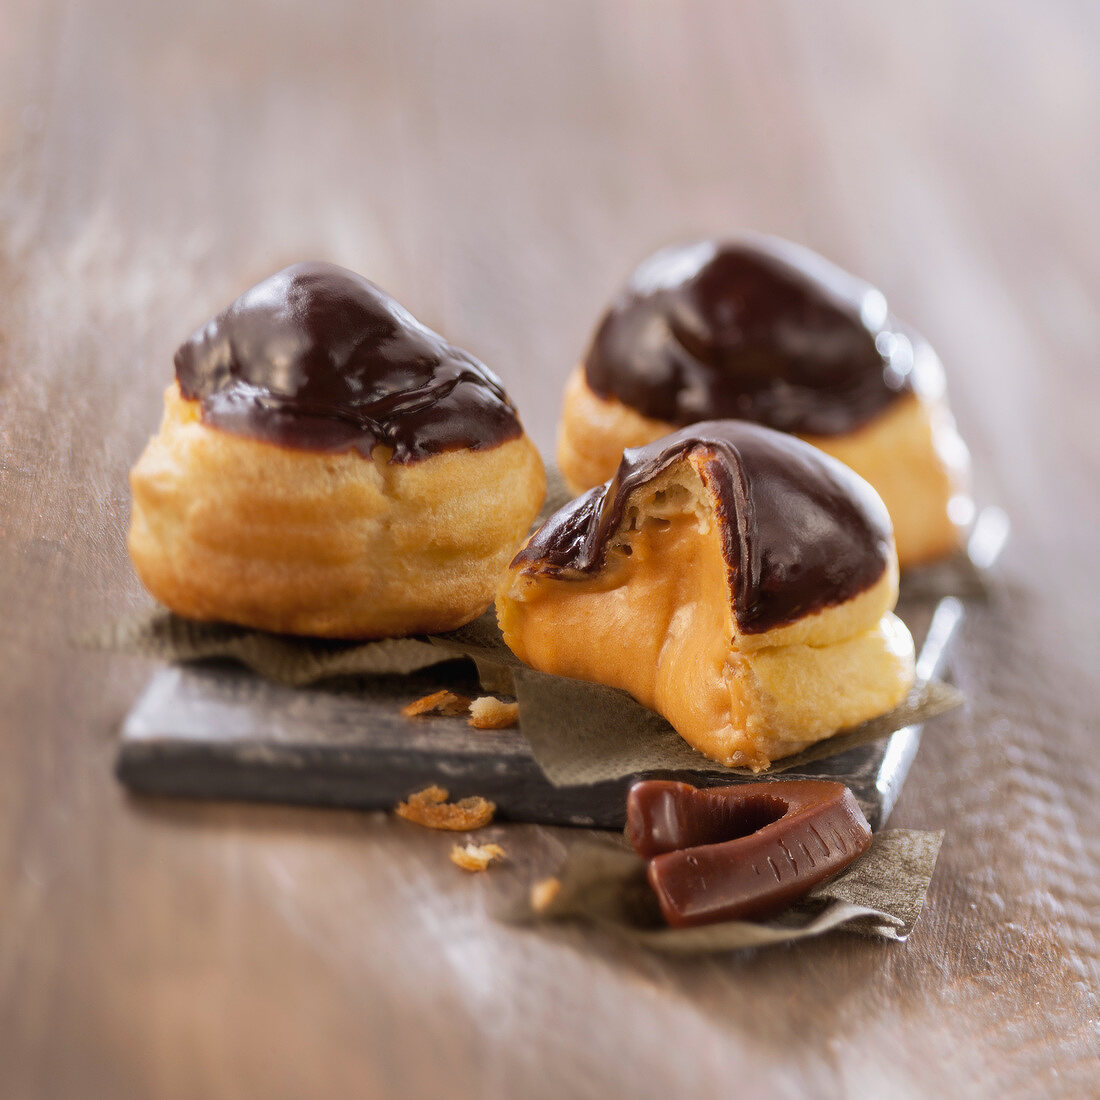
[(758, 329), (799, 530), (318, 358)]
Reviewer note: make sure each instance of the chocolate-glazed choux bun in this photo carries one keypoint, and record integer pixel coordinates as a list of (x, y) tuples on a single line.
[(763, 330), (327, 465), (735, 579)]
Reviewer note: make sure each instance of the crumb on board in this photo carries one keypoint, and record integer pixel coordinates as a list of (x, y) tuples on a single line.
[(445, 703), (543, 893), (476, 857), (489, 713), (431, 809)]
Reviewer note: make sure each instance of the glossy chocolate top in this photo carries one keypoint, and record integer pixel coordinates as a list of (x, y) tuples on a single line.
[(800, 531), (757, 329), (741, 852), (318, 358)]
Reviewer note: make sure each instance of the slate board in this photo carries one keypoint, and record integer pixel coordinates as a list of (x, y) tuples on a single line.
[(218, 731)]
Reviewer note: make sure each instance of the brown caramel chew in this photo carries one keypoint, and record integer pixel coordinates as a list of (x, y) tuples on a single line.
[(741, 852), (431, 809)]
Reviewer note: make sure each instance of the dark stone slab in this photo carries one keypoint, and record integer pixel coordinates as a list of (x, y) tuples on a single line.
[(217, 731)]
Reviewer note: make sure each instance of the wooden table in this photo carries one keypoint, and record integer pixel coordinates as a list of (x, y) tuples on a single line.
[(500, 167)]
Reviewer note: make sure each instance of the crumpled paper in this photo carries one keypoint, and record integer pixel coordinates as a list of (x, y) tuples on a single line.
[(881, 894), (284, 658), (588, 733)]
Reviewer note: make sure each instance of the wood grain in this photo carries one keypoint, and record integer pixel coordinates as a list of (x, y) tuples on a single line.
[(500, 168)]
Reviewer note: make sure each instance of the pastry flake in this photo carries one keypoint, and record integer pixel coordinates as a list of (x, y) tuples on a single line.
[(443, 703), (543, 893), (430, 808), (476, 857), (490, 713)]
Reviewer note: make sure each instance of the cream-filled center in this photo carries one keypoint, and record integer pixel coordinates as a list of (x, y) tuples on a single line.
[(656, 621)]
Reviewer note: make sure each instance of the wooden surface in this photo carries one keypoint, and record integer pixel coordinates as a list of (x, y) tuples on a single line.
[(500, 167)]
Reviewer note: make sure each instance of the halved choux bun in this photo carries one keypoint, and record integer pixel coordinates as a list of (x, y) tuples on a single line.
[(731, 578), (910, 453), (335, 545), (762, 330), (328, 465)]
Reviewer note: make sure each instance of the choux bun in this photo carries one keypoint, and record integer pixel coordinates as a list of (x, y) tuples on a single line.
[(733, 578), (763, 330), (328, 466)]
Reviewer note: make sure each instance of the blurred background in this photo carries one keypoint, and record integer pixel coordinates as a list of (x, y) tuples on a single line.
[(500, 168)]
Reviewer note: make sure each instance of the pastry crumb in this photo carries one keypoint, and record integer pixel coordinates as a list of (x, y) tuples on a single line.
[(476, 857), (445, 703), (489, 713), (543, 893), (431, 809)]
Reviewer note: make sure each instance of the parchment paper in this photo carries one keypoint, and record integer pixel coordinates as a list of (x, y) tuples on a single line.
[(586, 733), (881, 894), (284, 658)]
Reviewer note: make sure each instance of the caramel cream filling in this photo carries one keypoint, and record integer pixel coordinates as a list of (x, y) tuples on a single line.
[(657, 622)]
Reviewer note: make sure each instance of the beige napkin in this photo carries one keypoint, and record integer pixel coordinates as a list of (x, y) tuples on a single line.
[(587, 733), (284, 658)]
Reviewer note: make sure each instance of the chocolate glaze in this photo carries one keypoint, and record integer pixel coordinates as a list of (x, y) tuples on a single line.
[(799, 530), (318, 358), (757, 329), (741, 852)]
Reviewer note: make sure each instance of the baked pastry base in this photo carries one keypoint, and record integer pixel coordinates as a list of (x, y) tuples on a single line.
[(229, 528), (911, 455)]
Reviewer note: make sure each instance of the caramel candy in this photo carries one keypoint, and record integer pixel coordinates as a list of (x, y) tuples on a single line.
[(741, 852)]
